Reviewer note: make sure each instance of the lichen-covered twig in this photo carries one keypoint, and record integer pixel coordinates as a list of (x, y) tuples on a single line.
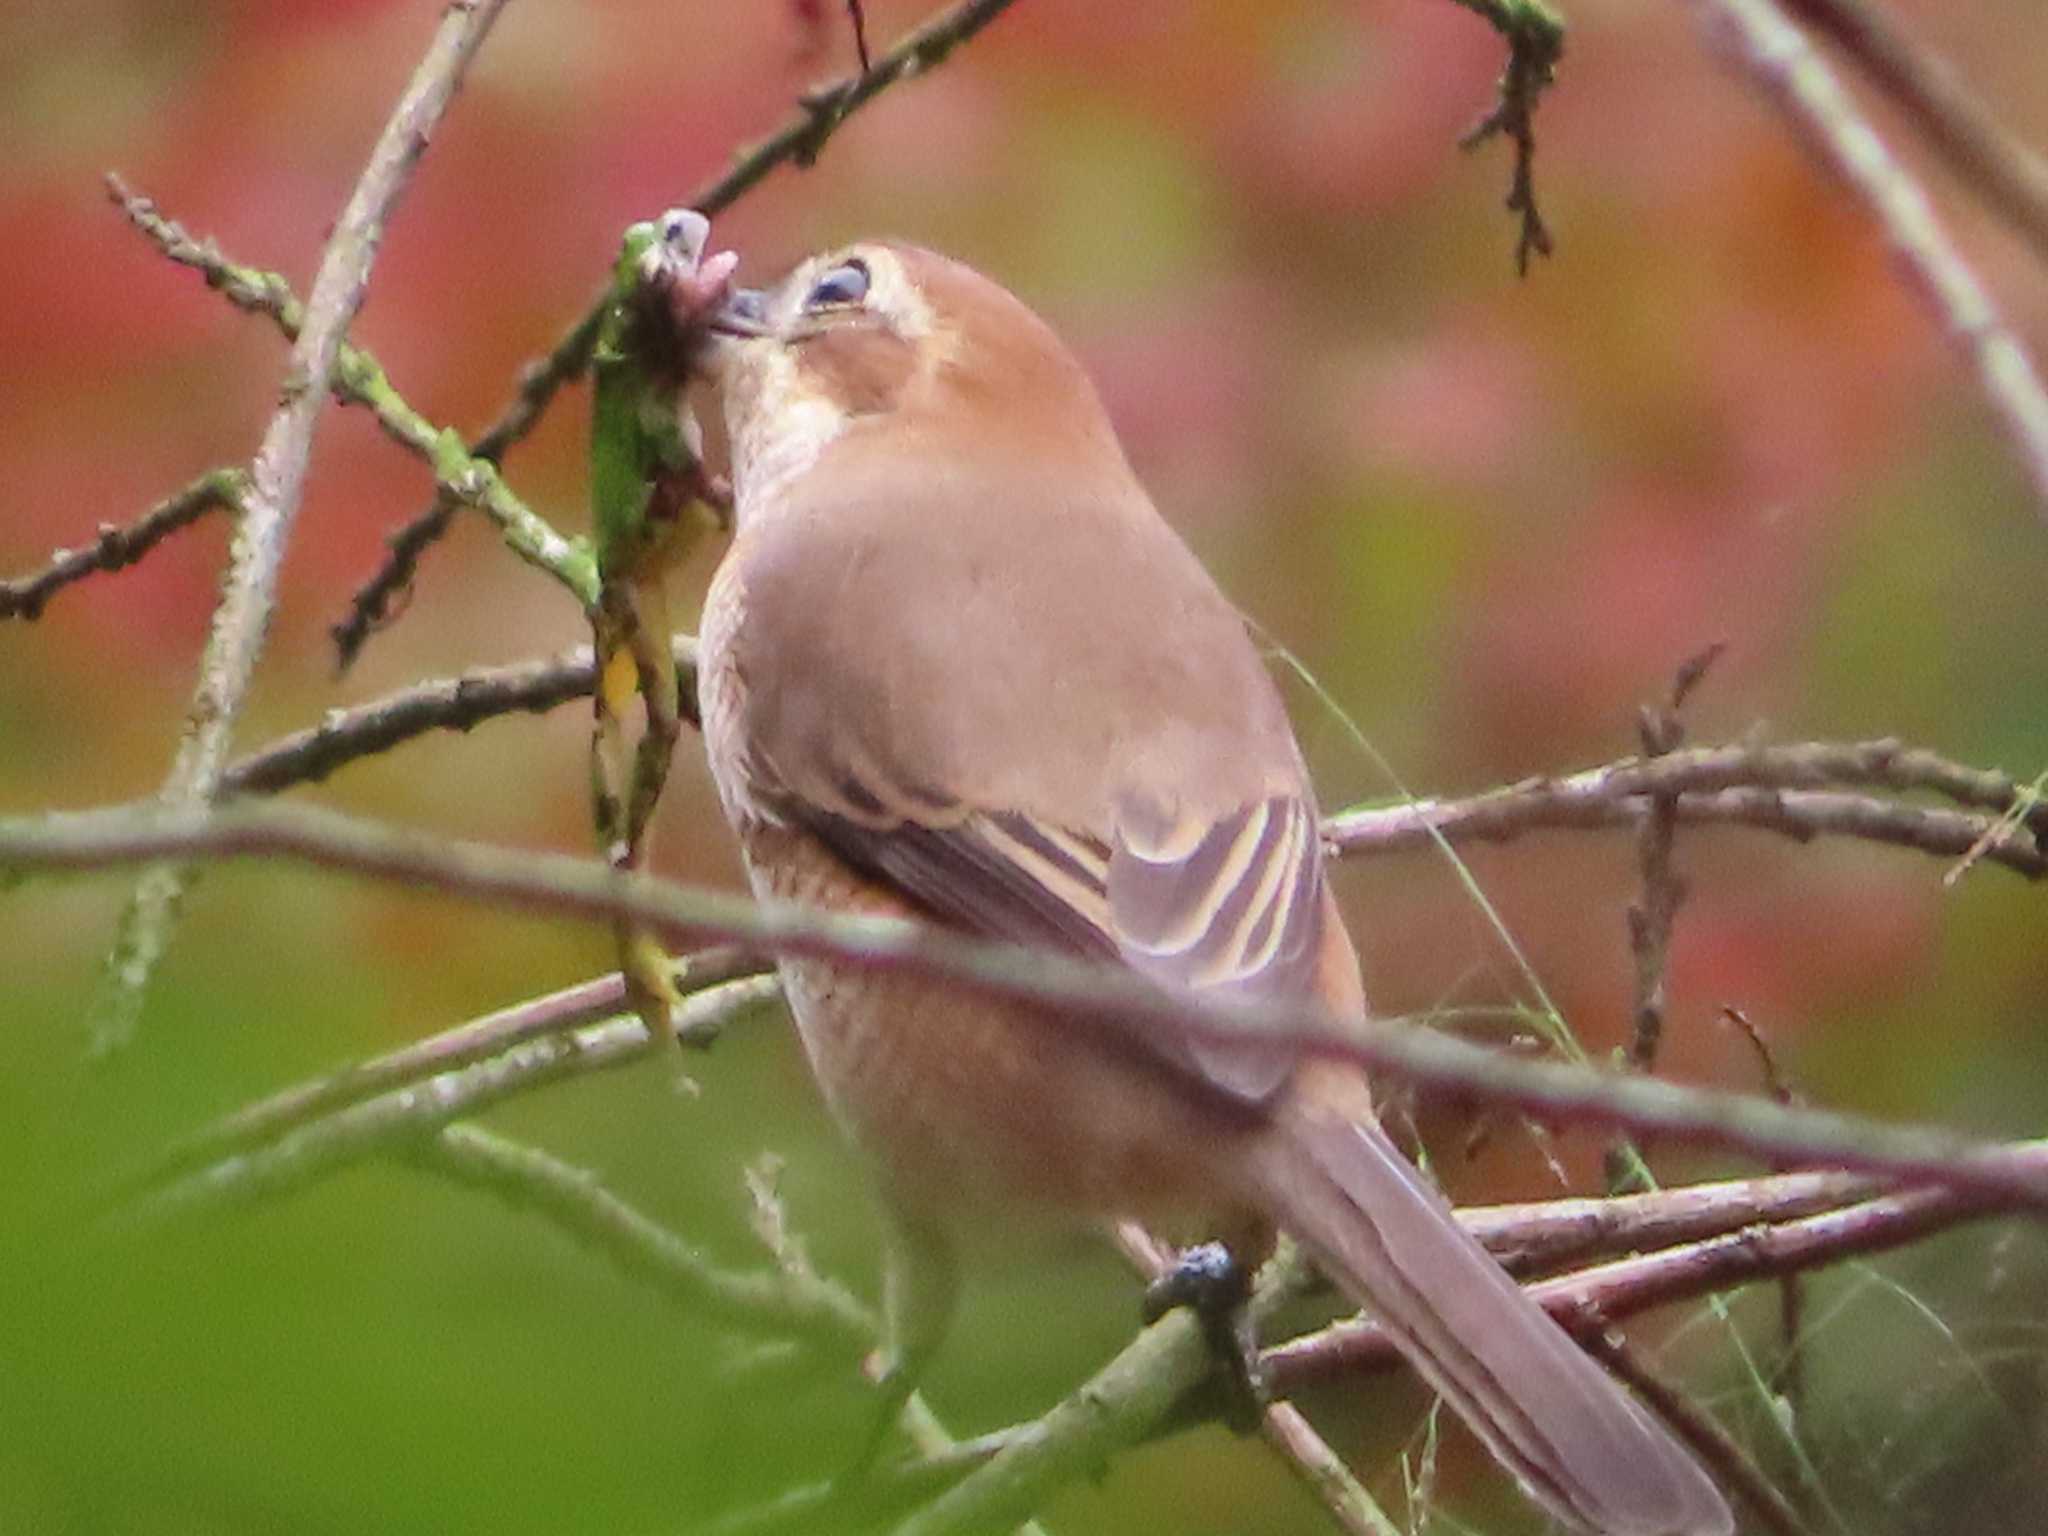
[(1106, 997), (771, 1301), (357, 378), (463, 1045), (242, 617), (402, 1118), (799, 141)]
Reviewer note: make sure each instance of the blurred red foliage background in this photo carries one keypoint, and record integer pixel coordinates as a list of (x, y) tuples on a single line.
[(1491, 515)]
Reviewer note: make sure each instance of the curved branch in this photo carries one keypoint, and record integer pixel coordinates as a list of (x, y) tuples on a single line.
[(1802, 86), (276, 476), (459, 703), (1092, 996), (772, 1301), (115, 546), (800, 139), (406, 1117), (1587, 1300), (466, 1044), (2009, 176), (1139, 1392)]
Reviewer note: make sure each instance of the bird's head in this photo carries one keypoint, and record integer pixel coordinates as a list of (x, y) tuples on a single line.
[(898, 345)]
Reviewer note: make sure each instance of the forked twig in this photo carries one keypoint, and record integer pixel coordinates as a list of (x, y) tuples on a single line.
[(799, 140), (276, 476)]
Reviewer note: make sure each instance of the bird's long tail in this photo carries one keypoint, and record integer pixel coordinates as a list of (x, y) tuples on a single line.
[(1577, 1442)]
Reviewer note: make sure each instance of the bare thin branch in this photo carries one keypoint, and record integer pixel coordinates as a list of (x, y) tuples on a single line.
[(1627, 1286), (1803, 87), (1729, 785), (1094, 996), (1535, 38), (1614, 795), (2008, 175), (404, 1118), (275, 478), (1540, 1235), (602, 997), (359, 379), (1651, 917), (771, 1301), (345, 736), (115, 546), (799, 140), (857, 13)]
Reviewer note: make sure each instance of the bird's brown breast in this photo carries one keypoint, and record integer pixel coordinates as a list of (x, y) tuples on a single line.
[(981, 1112)]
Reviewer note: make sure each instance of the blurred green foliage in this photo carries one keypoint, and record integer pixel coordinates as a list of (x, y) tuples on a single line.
[(1492, 516)]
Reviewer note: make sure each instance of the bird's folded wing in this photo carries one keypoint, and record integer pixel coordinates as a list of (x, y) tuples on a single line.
[(1231, 904)]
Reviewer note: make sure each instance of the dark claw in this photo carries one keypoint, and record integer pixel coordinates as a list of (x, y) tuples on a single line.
[(1209, 1282)]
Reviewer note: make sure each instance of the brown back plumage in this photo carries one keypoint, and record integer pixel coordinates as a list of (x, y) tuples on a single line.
[(955, 645)]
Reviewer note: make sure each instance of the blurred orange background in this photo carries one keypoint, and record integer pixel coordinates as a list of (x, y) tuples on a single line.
[(1490, 515)]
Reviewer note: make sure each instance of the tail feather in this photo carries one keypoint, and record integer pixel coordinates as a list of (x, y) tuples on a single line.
[(1578, 1443)]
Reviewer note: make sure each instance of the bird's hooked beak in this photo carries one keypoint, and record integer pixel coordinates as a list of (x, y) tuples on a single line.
[(743, 314)]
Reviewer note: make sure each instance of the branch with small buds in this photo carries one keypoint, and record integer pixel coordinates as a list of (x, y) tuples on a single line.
[(270, 503), (1733, 785), (1535, 39), (1661, 731), (798, 141), (357, 378), (116, 546), (1105, 997), (1775, 788)]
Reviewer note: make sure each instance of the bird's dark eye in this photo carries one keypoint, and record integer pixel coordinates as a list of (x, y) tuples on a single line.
[(846, 283)]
